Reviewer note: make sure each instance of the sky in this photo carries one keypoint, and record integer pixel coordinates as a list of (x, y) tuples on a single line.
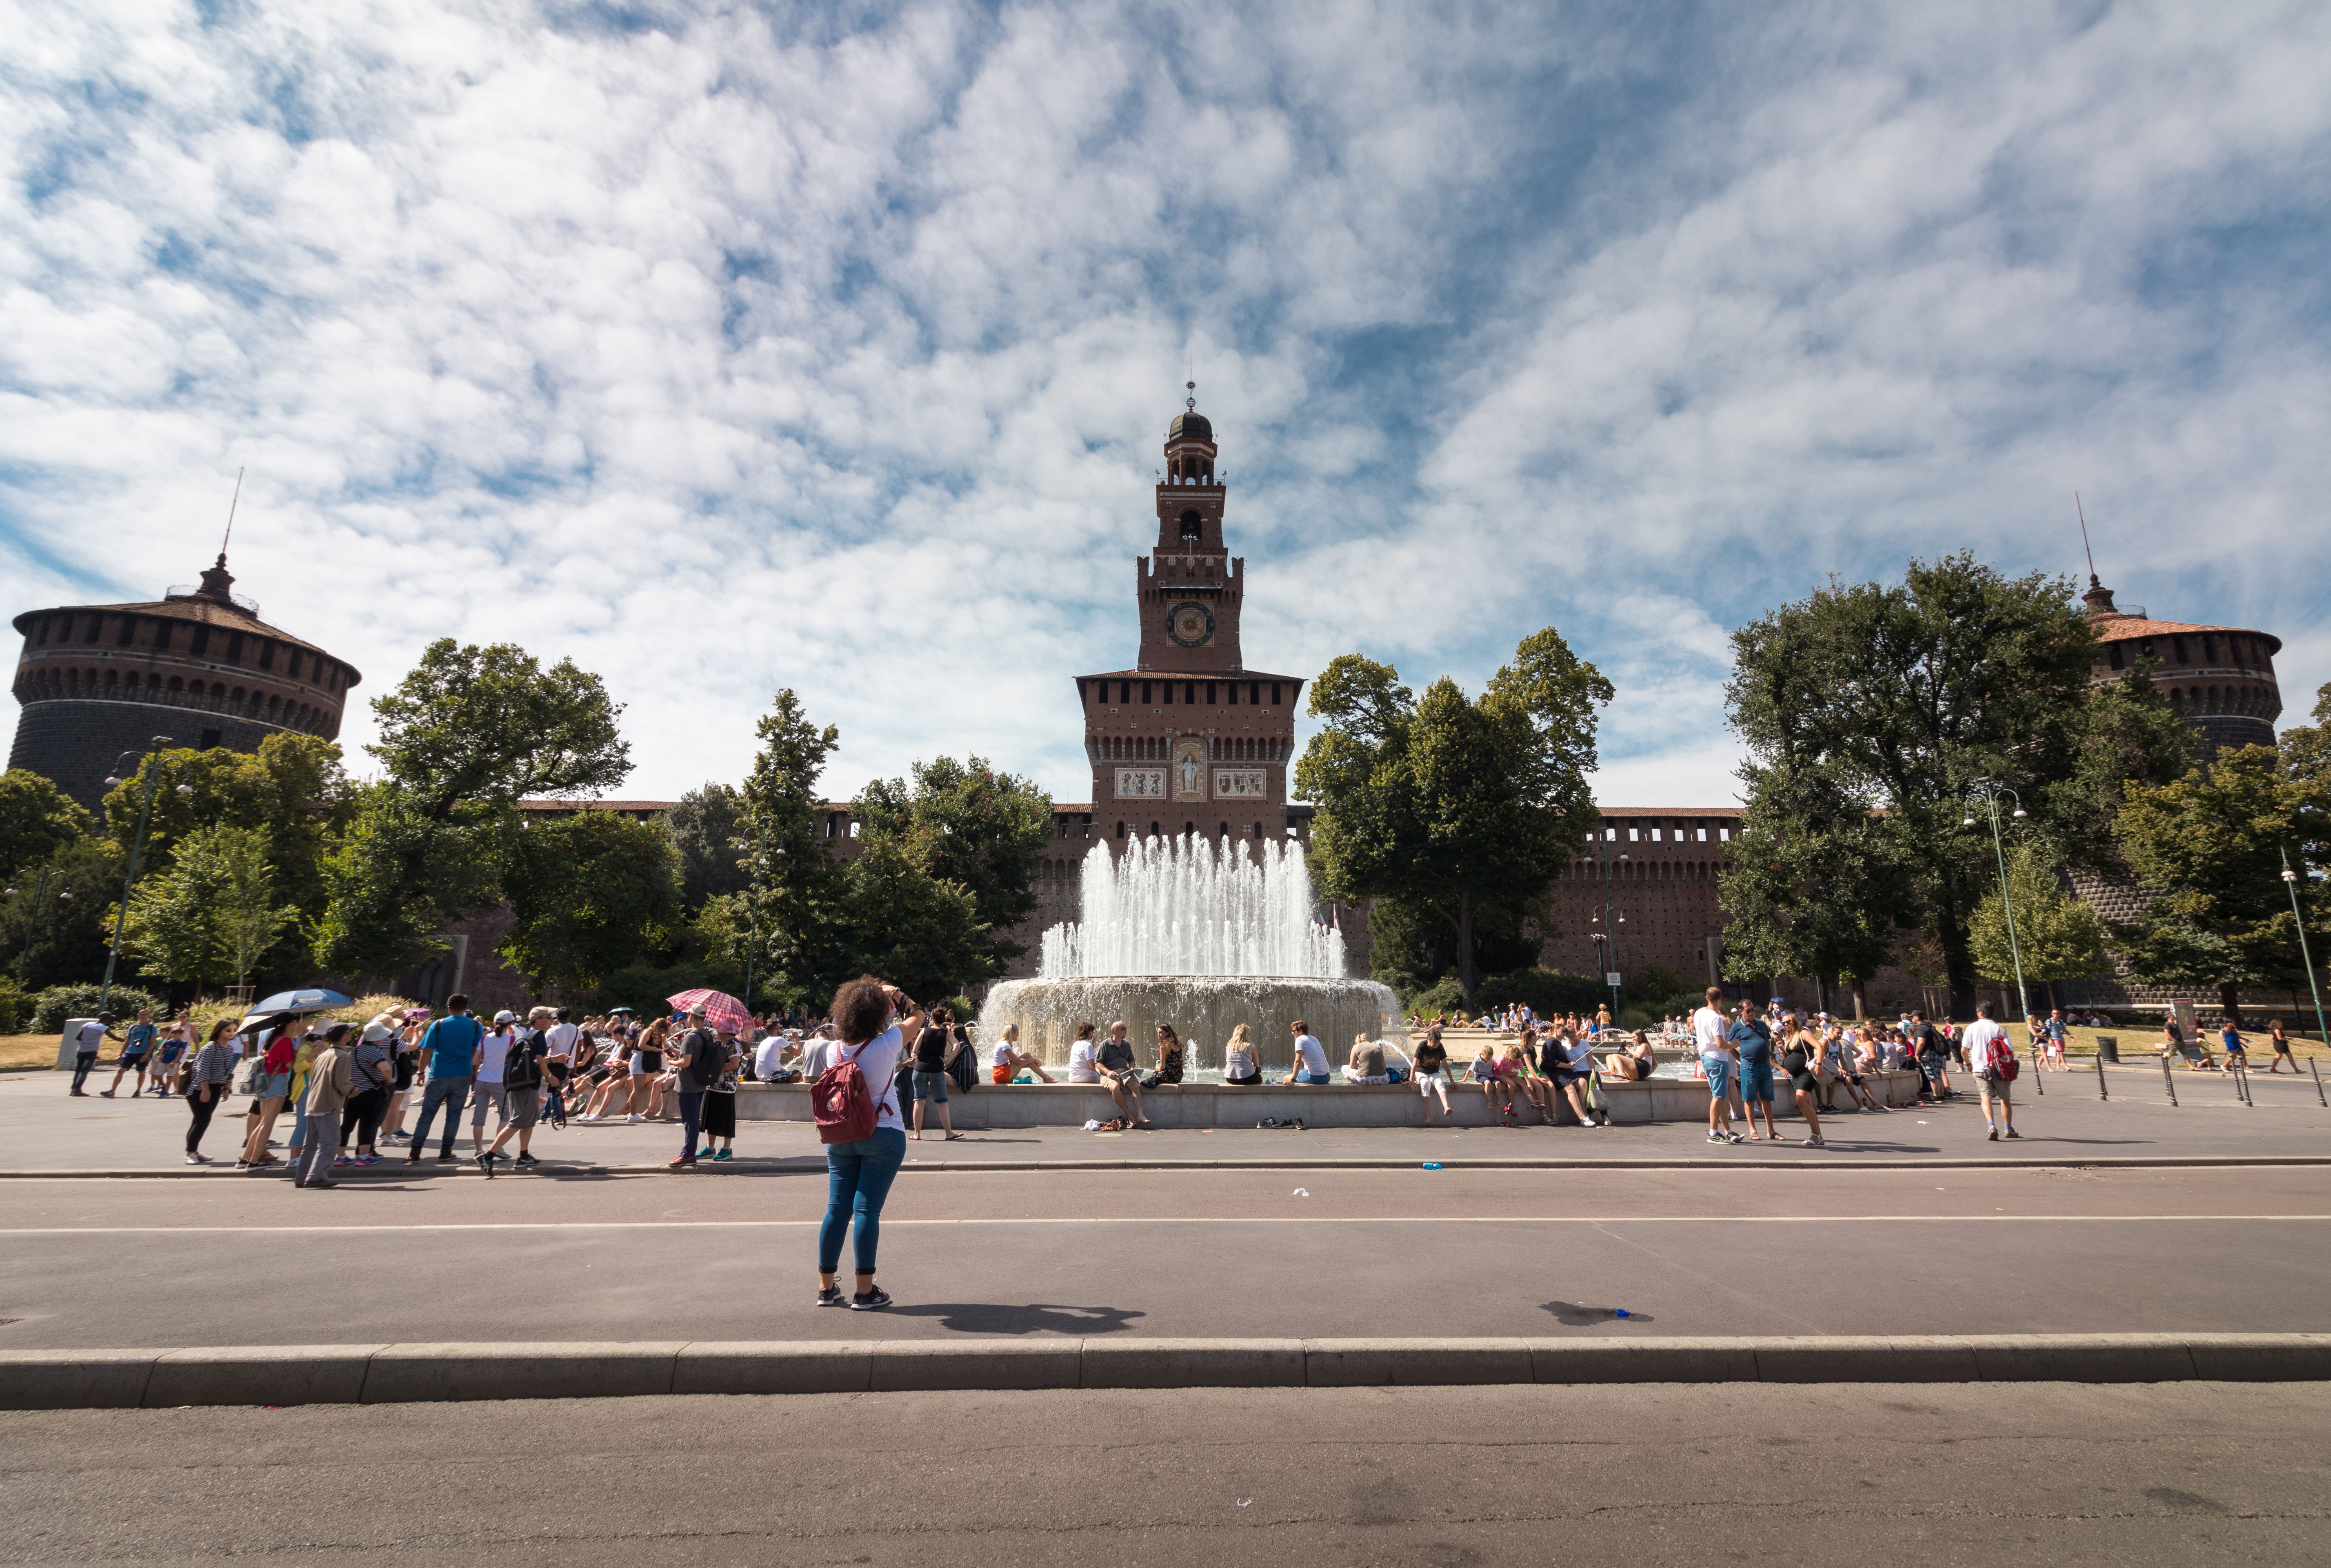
[(727, 348)]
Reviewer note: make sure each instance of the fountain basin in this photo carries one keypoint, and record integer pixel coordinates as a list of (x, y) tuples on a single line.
[(1202, 1009)]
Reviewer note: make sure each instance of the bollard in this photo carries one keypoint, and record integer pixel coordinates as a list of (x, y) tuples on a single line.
[(2166, 1081), (2102, 1093), (2315, 1067), (2039, 1060), (2242, 1081)]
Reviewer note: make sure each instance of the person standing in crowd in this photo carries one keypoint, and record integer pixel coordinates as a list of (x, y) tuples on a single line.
[(564, 1037), (1988, 1049), (721, 1102), (271, 1085), (206, 1084), (868, 1016), (1801, 1060), (1008, 1060), (1242, 1067), (407, 1059), (1717, 1060), (934, 1048), (330, 1076), (372, 1068), (2281, 1041), (449, 1048), (1431, 1075), (1117, 1069), (2237, 1053), (491, 1090), (647, 1066), (89, 1039), (135, 1047), (2051, 1039), (1752, 1048), (303, 1058), (1310, 1063), (1926, 1042), (696, 1062), (170, 1055), (523, 1068)]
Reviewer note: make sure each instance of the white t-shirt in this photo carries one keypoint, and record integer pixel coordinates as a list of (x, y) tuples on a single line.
[(764, 1060), (92, 1037), (1001, 1055), (1080, 1063), (496, 1046), (1708, 1027), (561, 1039), (1978, 1039), (878, 1060), (1314, 1058)]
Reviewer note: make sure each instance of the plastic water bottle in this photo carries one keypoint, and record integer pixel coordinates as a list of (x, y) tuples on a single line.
[(1433, 1164)]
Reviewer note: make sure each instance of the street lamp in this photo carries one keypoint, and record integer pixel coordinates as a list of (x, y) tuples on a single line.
[(2290, 883), (1986, 793), (1611, 923), (753, 909), (145, 810)]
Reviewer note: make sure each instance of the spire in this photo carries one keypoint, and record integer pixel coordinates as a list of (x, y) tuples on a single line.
[(218, 580), (2099, 598)]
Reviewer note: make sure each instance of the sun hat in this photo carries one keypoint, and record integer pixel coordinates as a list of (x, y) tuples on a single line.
[(505, 1016), (377, 1031)]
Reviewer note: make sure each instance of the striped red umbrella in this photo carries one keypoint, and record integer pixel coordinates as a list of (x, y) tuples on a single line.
[(721, 1010)]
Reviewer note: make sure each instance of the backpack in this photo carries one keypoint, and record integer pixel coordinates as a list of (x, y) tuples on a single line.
[(522, 1068), (844, 1109)]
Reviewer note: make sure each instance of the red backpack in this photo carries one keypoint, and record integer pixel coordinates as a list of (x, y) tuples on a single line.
[(844, 1109)]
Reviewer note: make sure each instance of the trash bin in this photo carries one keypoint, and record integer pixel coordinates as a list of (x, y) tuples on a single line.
[(2109, 1047)]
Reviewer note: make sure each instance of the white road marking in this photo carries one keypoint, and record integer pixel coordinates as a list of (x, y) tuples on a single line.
[(358, 1232)]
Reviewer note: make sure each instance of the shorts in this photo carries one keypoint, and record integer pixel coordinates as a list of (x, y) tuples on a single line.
[(482, 1095), (931, 1085), (1719, 1075), (525, 1106), (1001, 1074), (1756, 1081), (1438, 1079), (272, 1086), (1315, 1078)]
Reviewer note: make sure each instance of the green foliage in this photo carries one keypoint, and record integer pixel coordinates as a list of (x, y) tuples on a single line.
[(1895, 697), (804, 948), (2057, 935), (708, 834), (1650, 982), (973, 826), (1411, 946), (915, 930), (54, 927), (1446, 803), (1547, 992), (490, 726), (399, 875), (16, 1007), (211, 912), (584, 888), (2209, 847), (52, 1007), (37, 822)]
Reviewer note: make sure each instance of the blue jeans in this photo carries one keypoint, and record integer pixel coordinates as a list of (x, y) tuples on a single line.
[(1313, 1078), (453, 1093), (858, 1178), (83, 1061), (692, 1121)]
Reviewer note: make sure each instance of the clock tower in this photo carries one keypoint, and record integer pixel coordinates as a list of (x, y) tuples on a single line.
[(1190, 741)]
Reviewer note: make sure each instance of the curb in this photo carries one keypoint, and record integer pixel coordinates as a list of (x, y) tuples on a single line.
[(411, 1373), (1809, 1160)]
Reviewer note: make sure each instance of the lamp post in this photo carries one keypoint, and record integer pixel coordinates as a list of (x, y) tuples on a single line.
[(64, 896), (1987, 793), (144, 811), (2290, 882), (753, 911), (1609, 936)]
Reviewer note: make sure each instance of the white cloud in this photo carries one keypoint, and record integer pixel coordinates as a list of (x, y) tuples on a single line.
[(736, 351)]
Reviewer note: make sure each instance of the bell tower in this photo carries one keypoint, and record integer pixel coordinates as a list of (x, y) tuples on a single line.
[(1190, 741)]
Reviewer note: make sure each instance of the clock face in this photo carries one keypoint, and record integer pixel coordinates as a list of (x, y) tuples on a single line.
[(1190, 625)]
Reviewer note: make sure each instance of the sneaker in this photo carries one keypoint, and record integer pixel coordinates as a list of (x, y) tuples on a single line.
[(1993, 1134), (448, 1159), (872, 1300), (368, 1159), (704, 1153), (198, 1159), (635, 1117), (105, 1094), (526, 1159), (412, 1157), (831, 1295), (1719, 1137), (723, 1153), (2013, 1133), (485, 1164), (342, 1160), (319, 1183)]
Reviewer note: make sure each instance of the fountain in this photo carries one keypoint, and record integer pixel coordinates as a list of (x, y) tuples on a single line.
[(1202, 935)]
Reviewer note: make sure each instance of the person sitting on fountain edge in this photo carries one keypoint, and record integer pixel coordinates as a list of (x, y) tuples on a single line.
[(1114, 1061), (1009, 1060), (1310, 1057)]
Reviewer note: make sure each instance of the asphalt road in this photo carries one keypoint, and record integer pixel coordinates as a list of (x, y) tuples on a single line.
[(2120, 1475), (1195, 1253)]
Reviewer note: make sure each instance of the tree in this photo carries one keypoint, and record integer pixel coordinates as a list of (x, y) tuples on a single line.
[(1450, 803), (794, 899), (585, 890), (2208, 848), (973, 826), (918, 931), (1894, 698), (472, 723), (708, 832), (213, 912), (1411, 946), (1814, 883), (37, 820), (54, 924), (398, 876), (2058, 936)]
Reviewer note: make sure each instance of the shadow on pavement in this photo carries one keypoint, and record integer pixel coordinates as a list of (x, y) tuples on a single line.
[(1578, 1316), (995, 1318)]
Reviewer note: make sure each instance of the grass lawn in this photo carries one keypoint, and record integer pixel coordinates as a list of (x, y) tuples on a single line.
[(28, 1050)]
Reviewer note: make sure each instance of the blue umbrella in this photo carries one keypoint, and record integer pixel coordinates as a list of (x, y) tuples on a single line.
[(298, 1001)]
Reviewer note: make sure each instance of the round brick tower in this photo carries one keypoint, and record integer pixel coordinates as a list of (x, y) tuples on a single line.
[(199, 666), (2221, 678)]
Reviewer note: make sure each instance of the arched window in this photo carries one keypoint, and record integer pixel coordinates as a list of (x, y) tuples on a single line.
[(1193, 529), (1153, 829), (1120, 830)]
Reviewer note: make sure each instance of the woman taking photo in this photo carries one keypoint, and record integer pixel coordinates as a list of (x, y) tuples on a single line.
[(206, 1084), (371, 1069), (934, 1048), (858, 1174)]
